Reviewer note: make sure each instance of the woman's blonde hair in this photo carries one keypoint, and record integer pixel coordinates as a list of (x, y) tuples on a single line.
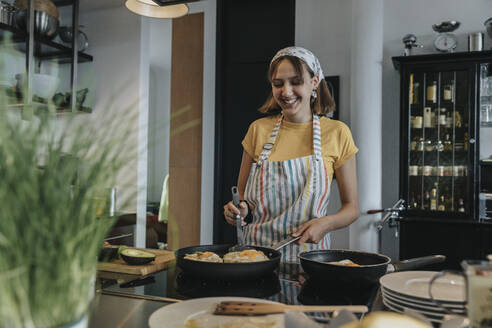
[(321, 105)]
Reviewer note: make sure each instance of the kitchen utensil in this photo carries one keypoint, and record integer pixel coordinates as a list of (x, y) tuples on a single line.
[(239, 227), (231, 271), (227, 271), (46, 6), (66, 35), (45, 25), (488, 26), (446, 26), (6, 13), (371, 267), (475, 41), (243, 307)]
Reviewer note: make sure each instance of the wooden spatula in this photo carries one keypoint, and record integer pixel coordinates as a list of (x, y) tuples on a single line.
[(255, 308)]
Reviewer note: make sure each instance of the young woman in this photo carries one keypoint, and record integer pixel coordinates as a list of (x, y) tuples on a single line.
[(289, 159)]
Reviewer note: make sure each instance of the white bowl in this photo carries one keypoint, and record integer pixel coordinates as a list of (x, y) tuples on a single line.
[(43, 85)]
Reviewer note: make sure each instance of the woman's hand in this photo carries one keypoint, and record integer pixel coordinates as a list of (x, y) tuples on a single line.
[(230, 212), (313, 231)]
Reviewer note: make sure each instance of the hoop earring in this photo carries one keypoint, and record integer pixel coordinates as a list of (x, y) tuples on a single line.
[(314, 94)]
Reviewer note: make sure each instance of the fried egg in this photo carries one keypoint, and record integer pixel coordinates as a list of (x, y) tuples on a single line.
[(204, 257), (248, 255), (345, 262)]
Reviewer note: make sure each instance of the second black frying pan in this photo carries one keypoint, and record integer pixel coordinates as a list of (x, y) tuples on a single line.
[(371, 267), (226, 271)]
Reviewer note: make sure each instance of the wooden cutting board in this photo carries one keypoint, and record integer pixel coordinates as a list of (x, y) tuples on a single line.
[(162, 260)]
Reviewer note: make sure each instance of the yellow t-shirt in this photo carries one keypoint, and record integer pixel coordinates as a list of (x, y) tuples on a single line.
[(296, 140)]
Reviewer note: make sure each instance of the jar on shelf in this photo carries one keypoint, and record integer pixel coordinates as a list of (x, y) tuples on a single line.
[(429, 146), (428, 170), (432, 92), (416, 123), (413, 170), (428, 117), (448, 92), (442, 116), (440, 170), (448, 171)]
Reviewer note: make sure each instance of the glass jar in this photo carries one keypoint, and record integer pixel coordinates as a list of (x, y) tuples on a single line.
[(429, 146), (448, 92), (432, 92)]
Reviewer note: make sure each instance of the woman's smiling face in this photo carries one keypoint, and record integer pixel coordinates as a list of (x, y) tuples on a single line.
[(293, 92)]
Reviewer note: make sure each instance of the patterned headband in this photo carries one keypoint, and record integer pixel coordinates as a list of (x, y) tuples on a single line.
[(307, 56)]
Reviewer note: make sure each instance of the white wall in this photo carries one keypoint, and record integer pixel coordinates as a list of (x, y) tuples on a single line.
[(324, 27)]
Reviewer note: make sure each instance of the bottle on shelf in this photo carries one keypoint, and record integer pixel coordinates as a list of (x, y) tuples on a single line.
[(448, 144), (426, 201), (439, 146), (461, 205), (442, 204), (465, 142), (449, 120), (417, 201), (428, 117), (432, 92), (448, 92), (411, 203), (442, 117), (433, 200), (457, 119)]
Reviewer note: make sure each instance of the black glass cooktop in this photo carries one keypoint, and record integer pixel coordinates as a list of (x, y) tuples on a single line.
[(289, 286)]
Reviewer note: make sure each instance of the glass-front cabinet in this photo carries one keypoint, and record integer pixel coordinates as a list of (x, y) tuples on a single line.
[(446, 134)]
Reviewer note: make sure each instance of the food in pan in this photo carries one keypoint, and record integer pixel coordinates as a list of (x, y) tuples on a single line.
[(248, 255), (345, 262), (204, 257)]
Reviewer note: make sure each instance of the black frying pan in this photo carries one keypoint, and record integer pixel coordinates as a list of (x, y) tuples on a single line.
[(372, 265), (226, 271)]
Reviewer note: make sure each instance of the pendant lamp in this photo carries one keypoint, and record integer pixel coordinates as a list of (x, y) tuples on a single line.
[(150, 9)]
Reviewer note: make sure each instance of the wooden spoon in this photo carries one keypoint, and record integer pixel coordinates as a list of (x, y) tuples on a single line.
[(254, 308)]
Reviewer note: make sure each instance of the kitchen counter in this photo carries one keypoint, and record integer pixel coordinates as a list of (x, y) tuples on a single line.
[(122, 311), (129, 303)]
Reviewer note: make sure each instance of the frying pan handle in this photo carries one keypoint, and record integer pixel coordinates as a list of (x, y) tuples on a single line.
[(376, 211), (416, 263)]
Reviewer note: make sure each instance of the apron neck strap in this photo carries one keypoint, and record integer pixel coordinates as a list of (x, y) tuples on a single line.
[(268, 146)]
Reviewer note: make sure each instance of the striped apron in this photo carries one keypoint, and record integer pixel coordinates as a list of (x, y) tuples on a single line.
[(286, 194)]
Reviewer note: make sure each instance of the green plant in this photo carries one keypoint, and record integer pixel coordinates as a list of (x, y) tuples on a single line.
[(52, 213)]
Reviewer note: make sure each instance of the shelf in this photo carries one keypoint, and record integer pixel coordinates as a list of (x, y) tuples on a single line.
[(44, 49), (486, 124), (39, 106)]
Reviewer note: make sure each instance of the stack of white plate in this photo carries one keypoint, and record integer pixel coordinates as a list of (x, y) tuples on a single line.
[(410, 290)]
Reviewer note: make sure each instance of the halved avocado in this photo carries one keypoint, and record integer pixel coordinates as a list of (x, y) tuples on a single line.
[(136, 257)]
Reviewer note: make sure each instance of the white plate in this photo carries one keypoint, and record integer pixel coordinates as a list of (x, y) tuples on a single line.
[(175, 315), (419, 307), (450, 288), (400, 309), (420, 301)]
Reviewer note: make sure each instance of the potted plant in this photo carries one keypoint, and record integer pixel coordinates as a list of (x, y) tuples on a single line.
[(52, 225)]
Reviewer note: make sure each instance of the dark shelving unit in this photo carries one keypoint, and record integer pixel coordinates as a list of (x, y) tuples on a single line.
[(35, 46), (44, 49)]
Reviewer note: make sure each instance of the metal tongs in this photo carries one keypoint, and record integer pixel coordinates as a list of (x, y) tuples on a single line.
[(239, 228)]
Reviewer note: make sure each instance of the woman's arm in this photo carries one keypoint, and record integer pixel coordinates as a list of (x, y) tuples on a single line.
[(314, 230), (230, 211)]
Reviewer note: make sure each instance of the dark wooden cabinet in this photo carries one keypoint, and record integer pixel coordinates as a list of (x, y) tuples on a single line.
[(443, 144)]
